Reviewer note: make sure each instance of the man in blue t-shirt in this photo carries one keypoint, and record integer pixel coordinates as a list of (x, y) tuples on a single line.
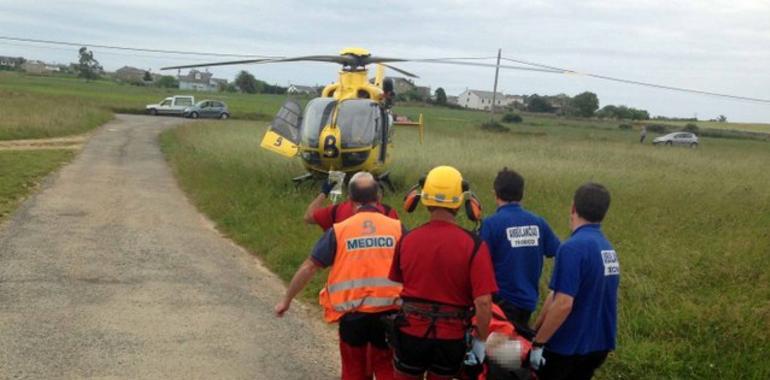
[(578, 325), (518, 241)]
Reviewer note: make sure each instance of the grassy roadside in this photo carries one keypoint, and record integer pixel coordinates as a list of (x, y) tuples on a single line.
[(29, 116), (690, 225), (21, 171), (124, 98)]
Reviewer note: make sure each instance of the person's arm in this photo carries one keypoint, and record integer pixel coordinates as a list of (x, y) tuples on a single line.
[(298, 282), (316, 204), (544, 310), (557, 313), (483, 315), (550, 241), (321, 257), (483, 285), (395, 266)]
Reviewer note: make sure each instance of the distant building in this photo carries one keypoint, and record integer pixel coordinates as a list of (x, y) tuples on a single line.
[(424, 91), (482, 100), (11, 62), (130, 74), (200, 81), (513, 99), (296, 89), (38, 67), (451, 99), (402, 85)]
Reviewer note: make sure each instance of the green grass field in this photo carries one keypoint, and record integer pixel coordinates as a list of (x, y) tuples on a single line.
[(20, 172), (52, 106), (26, 115), (690, 226)]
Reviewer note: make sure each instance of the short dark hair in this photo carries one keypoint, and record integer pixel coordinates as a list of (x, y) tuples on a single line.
[(369, 193), (509, 185), (592, 201)]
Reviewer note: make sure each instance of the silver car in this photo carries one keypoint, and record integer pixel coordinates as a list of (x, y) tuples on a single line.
[(208, 108), (677, 138)]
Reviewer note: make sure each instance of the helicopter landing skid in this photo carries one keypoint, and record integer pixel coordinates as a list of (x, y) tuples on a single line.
[(384, 179), (302, 179)]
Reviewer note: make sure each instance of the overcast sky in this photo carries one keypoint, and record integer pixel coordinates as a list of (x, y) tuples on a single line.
[(713, 45)]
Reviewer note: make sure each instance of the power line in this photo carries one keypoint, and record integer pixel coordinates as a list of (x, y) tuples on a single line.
[(639, 83), (162, 51), (113, 53)]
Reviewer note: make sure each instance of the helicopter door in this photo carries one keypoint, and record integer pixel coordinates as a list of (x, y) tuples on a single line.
[(283, 135)]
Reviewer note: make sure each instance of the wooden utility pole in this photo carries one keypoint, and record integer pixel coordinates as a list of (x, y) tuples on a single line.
[(494, 90)]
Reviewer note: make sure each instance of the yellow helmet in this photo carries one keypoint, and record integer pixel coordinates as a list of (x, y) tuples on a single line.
[(443, 187)]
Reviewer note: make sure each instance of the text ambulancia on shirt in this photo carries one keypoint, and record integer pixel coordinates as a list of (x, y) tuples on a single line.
[(370, 242), (524, 236)]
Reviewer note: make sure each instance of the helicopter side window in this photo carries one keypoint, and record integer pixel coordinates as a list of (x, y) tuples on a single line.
[(317, 115), (358, 120)]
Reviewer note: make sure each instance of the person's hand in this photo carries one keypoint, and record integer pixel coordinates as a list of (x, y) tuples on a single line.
[(536, 359), (327, 186), (476, 354), (282, 307)]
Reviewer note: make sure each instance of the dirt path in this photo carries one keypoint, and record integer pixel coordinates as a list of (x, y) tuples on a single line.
[(109, 272)]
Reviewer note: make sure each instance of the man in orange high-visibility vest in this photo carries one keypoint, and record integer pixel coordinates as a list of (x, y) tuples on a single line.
[(358, 293)]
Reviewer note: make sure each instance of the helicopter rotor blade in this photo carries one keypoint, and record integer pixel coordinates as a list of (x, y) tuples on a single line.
[(314, 58), (241, 62), (399, 70), (478, 64), (374, 59)]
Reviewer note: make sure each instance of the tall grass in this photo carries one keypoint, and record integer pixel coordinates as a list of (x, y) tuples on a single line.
[(25, 115), (692, 227)]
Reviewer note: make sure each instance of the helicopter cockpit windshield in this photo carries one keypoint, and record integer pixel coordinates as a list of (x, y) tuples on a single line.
[(359, 122), (317, 115)]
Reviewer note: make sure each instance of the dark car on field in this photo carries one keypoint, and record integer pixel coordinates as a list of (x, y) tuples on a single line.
[(208, 108)]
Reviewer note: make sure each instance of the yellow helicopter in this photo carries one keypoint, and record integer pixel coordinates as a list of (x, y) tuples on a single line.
[(348, 128)]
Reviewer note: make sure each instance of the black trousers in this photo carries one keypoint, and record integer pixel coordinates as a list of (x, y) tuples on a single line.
[(573, 367), (517, 316)]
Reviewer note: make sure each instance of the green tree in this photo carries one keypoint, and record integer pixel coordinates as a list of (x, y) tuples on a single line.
[(88, 67), (246, 82), (536, 103), (167, 81), (722, 119), (585, 104), (440, 96), (147, 77)]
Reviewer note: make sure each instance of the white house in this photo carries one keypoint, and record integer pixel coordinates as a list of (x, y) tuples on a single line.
[(479, 100), (296, 89), (39, 67), (482, 100), (200, 81)]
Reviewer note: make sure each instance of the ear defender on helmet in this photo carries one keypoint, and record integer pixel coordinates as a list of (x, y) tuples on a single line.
[(472, 207), (471, 204), (412, 197)]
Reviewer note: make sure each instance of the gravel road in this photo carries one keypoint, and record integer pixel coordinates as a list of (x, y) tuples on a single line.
[(109, 272)]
